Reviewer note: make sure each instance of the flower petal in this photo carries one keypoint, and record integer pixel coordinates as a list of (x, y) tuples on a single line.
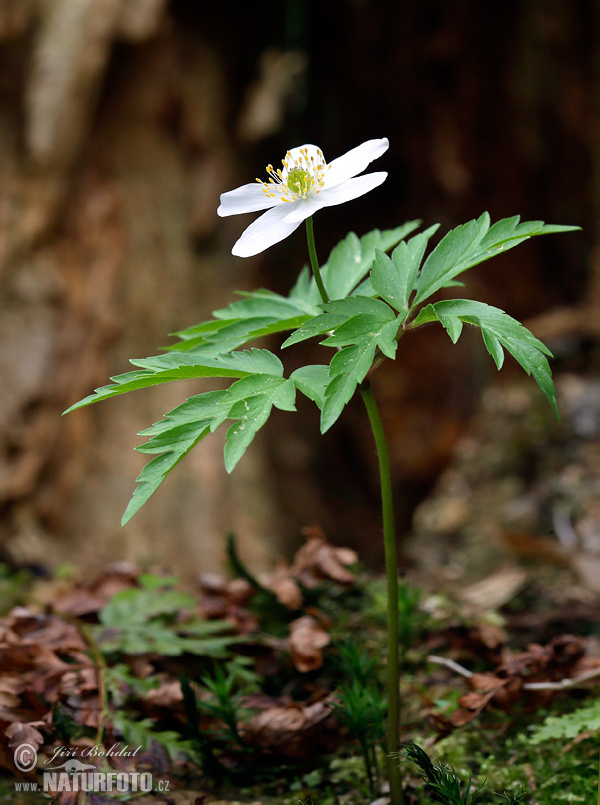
[(355, 161), (247, 198), (301, 208), (350, 189), (267, 230)]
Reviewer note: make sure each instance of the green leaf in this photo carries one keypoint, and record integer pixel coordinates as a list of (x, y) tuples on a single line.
[(348, 368), (312, 381), (252, 413), (336, 314), (259, 313), (144, 733), (499, 331), (352, 258), (350, 365), (182, 366), (472, 243), (248, 402), (357, 326), (138, 606), (156, 470), (262, 303), (348, 264), (394, 278), (569, 725), (142, 621)]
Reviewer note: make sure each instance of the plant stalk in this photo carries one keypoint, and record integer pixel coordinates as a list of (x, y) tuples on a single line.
[(314, 263), (391, 566), (391, 562), (599, 778)]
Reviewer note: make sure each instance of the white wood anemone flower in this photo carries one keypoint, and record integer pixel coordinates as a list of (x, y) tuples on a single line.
[(305, 184)]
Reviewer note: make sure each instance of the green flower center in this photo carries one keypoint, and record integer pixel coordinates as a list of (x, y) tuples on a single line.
[(299, 181)]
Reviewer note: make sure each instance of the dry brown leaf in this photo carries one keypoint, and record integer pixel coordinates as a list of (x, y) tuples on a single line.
[(306, 640), (290, 730), (556, 660), (80, 681), (285, 587), (288, 593), (167, 695), (25, 733), (88, 597), (10, 687), (494, 591), (29, 628), (317, 560), (239, 591), (8, 733)]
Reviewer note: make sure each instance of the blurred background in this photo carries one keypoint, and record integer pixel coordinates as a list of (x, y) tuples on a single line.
[(121, 123)]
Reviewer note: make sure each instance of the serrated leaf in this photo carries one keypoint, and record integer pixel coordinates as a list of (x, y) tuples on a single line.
[(312, 381), (348, 264), (394, 278), (351, 259), (259, 313), (348, 368), (494, 347), (499, 330), (183, 366), (473, 243), (140, 621), (233, 334), (263, 312), (357, 326), (313, 327), (248, 401), (262, 303), (156, 470), (252, 413), (337, 314), (451, 256), (451, 323), (231, 364)]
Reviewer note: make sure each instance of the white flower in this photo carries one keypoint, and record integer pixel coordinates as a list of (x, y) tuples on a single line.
[(304, 185)]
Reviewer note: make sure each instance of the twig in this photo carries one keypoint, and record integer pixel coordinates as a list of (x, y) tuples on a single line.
[(454, 666), (562, 685)]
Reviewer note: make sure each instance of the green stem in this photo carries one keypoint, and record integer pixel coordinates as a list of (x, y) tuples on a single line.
[(391, 565), (599, 780), (312, 251)]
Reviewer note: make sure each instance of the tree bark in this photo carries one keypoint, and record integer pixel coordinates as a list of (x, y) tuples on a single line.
[(100, 263)]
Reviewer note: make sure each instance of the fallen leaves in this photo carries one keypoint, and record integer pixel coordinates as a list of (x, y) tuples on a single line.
[(52, 669), (35, 676), (307, 638), (525, 676)]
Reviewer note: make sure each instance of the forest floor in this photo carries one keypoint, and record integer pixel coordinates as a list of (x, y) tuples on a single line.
[(271, 690)]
